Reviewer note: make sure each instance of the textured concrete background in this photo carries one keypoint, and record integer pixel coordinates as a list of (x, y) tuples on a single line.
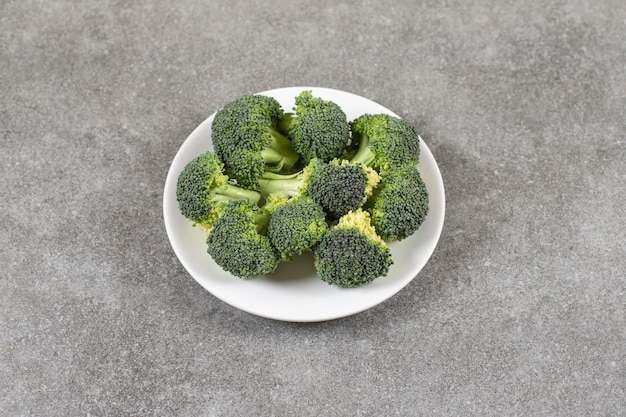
[(520, 311)]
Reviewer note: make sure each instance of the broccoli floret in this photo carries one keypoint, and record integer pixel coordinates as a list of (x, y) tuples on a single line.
[(399, 203), (203, 188), (238, 242), (383, 142), (342, 186), (246, 137), (338, 186), (351, 253), (296, 224), (318, 129)]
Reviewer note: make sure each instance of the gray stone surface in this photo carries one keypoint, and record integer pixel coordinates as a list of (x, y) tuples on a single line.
[(520, 311)]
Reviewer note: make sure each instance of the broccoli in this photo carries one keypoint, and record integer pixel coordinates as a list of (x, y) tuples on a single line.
[(399, 203), (246, 137), (351, 253), (296, 224), (318, 129), (383, 142), (238, 241), (338, 186), (203, 188)]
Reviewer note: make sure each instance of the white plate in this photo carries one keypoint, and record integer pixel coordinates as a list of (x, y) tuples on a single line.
[(294, 292)]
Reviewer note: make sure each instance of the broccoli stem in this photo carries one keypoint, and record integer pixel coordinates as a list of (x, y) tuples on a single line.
[(281, 184), (274, 160), (364, 154), (285, 122), (279, 153), (228, 192)]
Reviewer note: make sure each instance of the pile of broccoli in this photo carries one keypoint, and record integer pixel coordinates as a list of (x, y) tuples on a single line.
[(279, 184)]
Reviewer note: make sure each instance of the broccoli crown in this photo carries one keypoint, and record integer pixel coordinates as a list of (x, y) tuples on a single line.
[(238, 241), (399, 204), (351, 253), (383, 141), (318, 129), (340, 186), (296, 224), (203, 188), (246, 138), (337, 186)]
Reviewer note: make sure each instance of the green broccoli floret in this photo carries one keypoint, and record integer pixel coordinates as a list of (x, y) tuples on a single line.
[(318, 129), (399, 203), (238, 242), (383, 142), (203, 188), (351, 253), (338, 186), (246, 137), (296, 224)]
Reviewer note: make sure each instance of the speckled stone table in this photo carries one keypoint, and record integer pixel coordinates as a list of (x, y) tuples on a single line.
[(520, 310)]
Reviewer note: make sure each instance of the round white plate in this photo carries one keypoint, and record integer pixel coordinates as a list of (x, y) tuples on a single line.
[(294, 292)]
